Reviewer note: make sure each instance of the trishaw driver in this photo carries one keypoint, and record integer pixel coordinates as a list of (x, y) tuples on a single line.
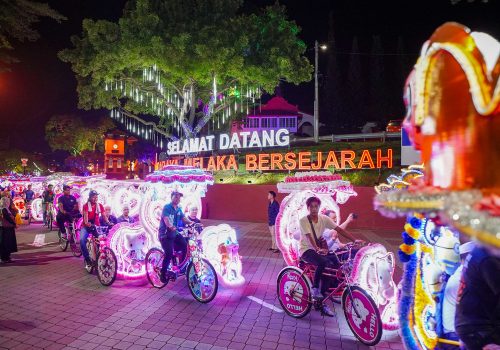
[(168, 234), (312, 227)]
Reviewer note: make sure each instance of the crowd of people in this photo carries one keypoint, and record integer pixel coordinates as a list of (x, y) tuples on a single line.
[(471, 299)]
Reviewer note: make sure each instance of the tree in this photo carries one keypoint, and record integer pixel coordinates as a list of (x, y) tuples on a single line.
[(10, 161), (16, 20), (70, 133), (185, 61)]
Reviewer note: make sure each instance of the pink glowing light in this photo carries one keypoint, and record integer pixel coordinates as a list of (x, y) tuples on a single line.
[(373, 270), (328, 187), (220, 247), (130, 243)]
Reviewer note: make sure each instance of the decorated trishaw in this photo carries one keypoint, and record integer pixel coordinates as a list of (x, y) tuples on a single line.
[(130, 242), (19, 183), (362, 283), (452, 99)]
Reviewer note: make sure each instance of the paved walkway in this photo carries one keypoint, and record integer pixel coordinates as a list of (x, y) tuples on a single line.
[(47, 301)]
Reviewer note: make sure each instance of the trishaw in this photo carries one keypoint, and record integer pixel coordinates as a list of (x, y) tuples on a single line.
[(362, 283), (200, 275), (453, 120)]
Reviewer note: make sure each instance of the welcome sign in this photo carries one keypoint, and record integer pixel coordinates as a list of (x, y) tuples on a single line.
[(291, 161), (241, 140)]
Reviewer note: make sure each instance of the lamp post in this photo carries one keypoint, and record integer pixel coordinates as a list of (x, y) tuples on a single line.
[(316, 94)]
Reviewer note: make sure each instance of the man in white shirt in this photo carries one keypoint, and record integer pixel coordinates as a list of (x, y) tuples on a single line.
[(450, 296), (312, 227)]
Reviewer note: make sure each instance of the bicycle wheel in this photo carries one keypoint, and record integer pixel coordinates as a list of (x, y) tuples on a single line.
[(154, 262), (107, 266), (362, 315), (75, 244), (202, 280), (90, 249), (294, 292), (49, 222), (63, 241)]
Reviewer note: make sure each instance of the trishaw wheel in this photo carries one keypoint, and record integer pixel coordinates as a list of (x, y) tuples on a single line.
[(362, 315), (294, 292), (63, 241), (75, 244), (90, 249), (202, 280), (154, 261), (106, 267)]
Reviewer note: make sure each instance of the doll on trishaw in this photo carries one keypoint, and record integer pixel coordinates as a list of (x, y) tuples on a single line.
[(360, 275)]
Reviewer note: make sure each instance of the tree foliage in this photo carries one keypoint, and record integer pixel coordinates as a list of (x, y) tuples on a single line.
[(10, 161), (16, 22), (70, 133), (185, 60)]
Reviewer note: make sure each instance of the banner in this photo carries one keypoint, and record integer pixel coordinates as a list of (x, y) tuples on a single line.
[(291, 161)]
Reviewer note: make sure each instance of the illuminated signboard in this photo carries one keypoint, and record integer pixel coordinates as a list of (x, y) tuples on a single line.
[(243, 139), (348, 159)]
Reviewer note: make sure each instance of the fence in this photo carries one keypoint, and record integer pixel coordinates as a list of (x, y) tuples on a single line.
[(344, 137)]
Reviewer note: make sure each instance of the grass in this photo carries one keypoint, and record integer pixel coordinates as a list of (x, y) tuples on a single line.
[(356, 177)]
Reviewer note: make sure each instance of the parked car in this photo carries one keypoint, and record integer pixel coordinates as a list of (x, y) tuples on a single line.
[(394, 125)]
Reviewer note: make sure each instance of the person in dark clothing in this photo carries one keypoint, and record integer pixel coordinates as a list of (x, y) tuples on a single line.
[(193, 215), (47, 200), (8, 243), (477, 318), (272, 212), (68, 208)]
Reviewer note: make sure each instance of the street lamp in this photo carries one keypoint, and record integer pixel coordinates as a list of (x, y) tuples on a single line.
[(316, 100)]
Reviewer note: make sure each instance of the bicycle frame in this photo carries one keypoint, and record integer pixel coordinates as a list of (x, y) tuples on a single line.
[(192, 241), (342, 275), (98, 241)]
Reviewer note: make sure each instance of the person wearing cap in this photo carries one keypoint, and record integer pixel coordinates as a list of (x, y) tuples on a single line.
[(450, 298), (168, 234), (68, 208), (92, 212)]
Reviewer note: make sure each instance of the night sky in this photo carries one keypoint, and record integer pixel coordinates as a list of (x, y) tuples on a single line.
[(41, 85)]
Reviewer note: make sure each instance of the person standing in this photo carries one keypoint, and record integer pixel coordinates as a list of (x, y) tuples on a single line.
[(272, 212), (8, 243)]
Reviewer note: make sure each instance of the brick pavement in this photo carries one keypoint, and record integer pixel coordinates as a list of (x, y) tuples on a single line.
[(47, 301)]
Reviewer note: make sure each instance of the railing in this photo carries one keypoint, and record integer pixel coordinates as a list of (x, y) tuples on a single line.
[(336, 138)]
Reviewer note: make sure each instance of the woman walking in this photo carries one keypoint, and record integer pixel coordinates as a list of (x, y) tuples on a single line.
[(8, 243)]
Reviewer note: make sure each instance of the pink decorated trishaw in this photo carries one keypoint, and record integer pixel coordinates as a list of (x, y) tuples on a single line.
[(363, 284)]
